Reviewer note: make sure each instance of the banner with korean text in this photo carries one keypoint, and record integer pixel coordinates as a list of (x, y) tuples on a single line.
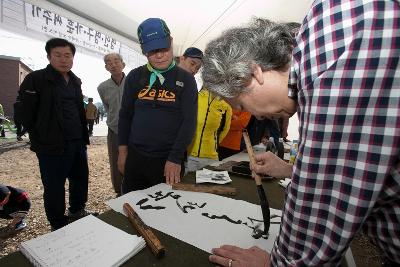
[(50, 23)]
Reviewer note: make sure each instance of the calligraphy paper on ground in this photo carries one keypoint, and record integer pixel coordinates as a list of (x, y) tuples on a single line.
[(201, 219)]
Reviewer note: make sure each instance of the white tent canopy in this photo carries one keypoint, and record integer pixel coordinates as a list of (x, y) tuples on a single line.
[(192, 23)]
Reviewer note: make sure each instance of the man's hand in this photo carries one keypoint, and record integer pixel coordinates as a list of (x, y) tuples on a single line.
[(239, 257), (172, 172), (122, 154), (270, 164)]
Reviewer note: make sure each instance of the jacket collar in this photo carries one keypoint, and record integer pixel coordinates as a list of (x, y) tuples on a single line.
[(123, 76), (53, 75)]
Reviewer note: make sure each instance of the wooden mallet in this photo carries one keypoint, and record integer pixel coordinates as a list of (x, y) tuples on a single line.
[(260, 190), (151, 240)]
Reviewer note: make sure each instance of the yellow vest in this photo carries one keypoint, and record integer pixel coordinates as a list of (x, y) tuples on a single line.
[(209, 131)]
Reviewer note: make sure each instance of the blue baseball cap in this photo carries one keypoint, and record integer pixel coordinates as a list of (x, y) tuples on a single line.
[(153, 34), (193, 52)]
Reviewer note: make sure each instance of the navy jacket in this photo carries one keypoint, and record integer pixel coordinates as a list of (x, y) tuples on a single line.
[(161, 127)]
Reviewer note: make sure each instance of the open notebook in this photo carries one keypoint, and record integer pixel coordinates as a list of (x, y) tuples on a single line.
[(85, 242)]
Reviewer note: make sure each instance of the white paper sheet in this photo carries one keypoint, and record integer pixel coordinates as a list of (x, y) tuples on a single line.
[(285, 182), (198, 218), (85, 242), (215, 177)]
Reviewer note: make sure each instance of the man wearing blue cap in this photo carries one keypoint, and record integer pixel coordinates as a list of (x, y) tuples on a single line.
[(157, 118)]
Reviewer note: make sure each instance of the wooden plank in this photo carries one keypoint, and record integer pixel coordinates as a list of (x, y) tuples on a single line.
[(213, 189)]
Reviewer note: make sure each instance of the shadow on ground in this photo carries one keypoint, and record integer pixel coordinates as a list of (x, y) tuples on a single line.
[(7, 145)]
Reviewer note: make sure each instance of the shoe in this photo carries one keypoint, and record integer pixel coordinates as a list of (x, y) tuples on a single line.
[(80, 214), (21, 225), (60, 224), (19, 138)]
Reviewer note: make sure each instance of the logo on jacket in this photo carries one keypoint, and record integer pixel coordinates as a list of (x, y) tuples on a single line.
[(163, 94)]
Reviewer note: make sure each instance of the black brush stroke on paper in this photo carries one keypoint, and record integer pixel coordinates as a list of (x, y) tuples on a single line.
[(223, 217), (195, 204), (184, 208), (159, 195), (257, 232), (148, 207), (190, 205)]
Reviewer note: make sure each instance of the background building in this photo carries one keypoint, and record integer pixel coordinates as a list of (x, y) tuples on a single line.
[(12, 73)]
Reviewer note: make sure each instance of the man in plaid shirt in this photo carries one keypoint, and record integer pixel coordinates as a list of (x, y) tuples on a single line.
[(344, 82)]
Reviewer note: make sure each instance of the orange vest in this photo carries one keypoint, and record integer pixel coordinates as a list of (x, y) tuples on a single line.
[(239, 121)]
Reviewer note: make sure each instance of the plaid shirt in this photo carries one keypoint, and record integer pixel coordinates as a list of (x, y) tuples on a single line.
[(346, 177)]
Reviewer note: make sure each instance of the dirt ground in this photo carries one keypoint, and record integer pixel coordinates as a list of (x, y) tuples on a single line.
[(19, 168)]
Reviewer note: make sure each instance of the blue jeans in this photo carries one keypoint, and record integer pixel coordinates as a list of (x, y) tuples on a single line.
[(54, 170)]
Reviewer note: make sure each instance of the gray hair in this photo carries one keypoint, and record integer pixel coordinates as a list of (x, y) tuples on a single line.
[(229, 60), (112, 54), (293, 27)]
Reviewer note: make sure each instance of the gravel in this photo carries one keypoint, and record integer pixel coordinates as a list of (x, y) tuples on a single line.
[(19, 168)]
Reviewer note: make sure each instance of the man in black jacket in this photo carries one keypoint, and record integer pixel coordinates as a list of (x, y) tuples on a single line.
[(52, 111)]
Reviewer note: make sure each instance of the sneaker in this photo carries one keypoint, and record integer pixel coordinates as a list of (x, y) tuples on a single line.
[(80, 214), (21, 225), (19, 138)]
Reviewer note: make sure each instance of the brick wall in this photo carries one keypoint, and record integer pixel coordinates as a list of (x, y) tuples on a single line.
[(9, 84)]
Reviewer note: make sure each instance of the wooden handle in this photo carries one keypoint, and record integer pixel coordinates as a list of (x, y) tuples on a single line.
[(213, 189), (251, 156), (145, 231)]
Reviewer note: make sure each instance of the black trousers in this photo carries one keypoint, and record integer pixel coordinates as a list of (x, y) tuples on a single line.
[(2, 132), (54, 170), (20, 131), (90, 123), (142, 172)]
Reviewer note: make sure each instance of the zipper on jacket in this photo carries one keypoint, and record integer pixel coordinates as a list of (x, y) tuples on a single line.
[(205, 122)]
